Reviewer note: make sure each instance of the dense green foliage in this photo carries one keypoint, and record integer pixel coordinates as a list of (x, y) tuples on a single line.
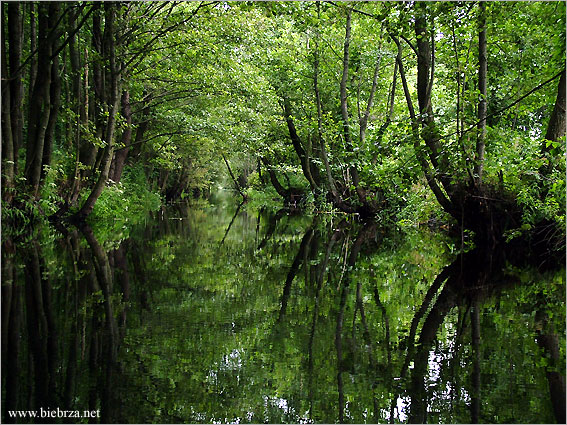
[(423, 143), (205, 315), (348, 106)]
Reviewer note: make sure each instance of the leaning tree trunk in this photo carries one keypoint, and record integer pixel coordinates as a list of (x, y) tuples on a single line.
[(306, 163), (114, 102), (121, 154)]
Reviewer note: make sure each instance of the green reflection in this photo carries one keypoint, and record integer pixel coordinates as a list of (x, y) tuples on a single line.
[(223, 314)]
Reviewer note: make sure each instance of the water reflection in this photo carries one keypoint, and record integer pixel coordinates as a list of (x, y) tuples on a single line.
[(221, 314)]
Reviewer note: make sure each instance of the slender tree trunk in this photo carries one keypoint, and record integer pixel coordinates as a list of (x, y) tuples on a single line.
[(343, 85), (344, 108), (15, 42), (55, 102), (366, 114), (482, 105), (322, 148), (424, 89), (388, 121), (549, 342), (78, 107), (121, 154), (8, 151), (142, 127), (40, 101), (235, 181), (89, 204), (283, 192), (33, 12), (443, 200), (104, 277), (556, 126), (298, 146)]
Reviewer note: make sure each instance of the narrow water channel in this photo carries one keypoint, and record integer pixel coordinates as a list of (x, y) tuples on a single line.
[(214, 313)]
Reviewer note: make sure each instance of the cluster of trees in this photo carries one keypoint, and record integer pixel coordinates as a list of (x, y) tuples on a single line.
[(80, 101), (354, 104)]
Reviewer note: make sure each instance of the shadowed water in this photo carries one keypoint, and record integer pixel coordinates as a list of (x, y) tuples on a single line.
[(224, 314)]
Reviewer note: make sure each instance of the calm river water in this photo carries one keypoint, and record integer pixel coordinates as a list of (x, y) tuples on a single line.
[(209, 313)]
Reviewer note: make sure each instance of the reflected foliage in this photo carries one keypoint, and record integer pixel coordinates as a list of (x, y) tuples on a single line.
[(218, 313)]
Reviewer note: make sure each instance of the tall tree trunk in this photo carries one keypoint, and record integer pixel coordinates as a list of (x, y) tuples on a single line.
[(322, 148), (55, 102), (114, 101), (8, 151), (15, 41), (482, 104), (556, 126), (142, 127), (99, 107), (33, 14), (121, 154), (344, 108), (78, 107), (366, 114), (443, 200), (424, 88), (40, 100)]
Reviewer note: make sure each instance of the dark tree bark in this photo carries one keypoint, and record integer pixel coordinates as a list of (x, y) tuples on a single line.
[(142, 127), (121, 154), (80, 105), (104, 277), (556, 126), (282, 191), (482, 104), (303, 247), (441, 197), (86, 209), (308, 170), (8, 150), (425, 71), (33, 12), (40, 102), (234, 179), (15, 42), (549, 343), (55, 103)]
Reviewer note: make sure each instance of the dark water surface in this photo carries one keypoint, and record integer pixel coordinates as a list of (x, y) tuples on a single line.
[(204, 315)]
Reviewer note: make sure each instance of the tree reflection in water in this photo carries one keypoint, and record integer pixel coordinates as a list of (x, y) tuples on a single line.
[(210, 315)]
